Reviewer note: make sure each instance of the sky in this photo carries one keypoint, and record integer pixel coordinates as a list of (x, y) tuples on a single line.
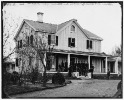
[(102, 19)]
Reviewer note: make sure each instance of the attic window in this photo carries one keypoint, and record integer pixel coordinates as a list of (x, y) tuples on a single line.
[(73, 28)]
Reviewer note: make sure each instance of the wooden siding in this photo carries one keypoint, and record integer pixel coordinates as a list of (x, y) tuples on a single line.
[(80, 40)]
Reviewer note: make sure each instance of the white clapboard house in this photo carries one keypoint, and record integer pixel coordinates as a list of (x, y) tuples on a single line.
[(72, 44)]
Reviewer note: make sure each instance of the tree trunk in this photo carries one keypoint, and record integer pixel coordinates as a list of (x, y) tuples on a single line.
[(44, 77)]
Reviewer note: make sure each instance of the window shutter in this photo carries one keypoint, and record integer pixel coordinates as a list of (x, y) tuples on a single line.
[(91, 44), (16, 61), (87, 44), (74, 42), (69, 42), (49, 39), (56, 40)]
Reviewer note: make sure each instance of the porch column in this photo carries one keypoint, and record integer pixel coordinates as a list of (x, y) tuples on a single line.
[(45, 59), (100, 65), (68, 60), (89, 61), (106, 66), (116, 66)]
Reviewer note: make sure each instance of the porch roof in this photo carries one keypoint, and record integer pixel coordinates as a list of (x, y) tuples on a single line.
[(80, 53)]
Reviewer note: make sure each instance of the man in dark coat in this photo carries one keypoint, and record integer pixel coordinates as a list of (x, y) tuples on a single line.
[(92, 70), (108, 74)]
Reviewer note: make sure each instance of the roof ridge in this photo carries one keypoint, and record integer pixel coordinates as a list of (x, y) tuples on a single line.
[(39, 22), (67, 21)]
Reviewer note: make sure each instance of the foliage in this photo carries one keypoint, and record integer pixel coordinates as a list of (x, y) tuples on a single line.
[(34, 75), (38, 49), (117, 51), (58, 78), (15, 77), (7, 79)]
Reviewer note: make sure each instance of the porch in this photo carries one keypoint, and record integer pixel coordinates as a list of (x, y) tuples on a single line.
[(64, 59)]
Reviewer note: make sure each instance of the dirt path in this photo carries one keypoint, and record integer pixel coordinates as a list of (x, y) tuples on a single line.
[(78, 88)]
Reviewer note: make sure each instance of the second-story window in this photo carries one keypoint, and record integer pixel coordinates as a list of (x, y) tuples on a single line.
[(16, 61), (89, 44), (52, 39), (30, 60), (56, 40), (49, 39), (72, 28), (71, 42), (31, 39), (20, 43)]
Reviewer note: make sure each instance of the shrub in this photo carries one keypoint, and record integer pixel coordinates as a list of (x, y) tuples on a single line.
[(58, 78), (15, 77), (7, 78), (34, 75)]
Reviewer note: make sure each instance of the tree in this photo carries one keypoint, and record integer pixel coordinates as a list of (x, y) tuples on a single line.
[(36, 46), (117, 51), (10, 25)]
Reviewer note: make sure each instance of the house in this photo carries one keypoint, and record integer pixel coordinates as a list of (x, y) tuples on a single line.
[(71, 42), (115, 64)]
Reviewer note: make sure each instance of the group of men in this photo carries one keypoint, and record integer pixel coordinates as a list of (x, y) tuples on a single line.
[(80, 66)]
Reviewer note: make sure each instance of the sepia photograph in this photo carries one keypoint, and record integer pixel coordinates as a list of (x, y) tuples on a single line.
[(61, 50)]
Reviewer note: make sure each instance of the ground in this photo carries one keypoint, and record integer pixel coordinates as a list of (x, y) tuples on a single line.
[(78, 88)]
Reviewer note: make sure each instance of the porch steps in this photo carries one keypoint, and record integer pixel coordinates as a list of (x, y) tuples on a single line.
[(84, 78)]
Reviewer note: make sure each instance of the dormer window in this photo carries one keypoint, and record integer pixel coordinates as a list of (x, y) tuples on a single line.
[(72, 28)]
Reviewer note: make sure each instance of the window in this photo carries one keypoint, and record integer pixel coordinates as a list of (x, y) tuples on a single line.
[(31, 39), (52, 39), (20, 43), (49, 39), (89, 44), (71, 42), (56, 40), (73, 28), (30, 60), (16, 61), (28, 40)]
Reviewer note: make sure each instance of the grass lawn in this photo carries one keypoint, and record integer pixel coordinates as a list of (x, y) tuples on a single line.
[(15, 89)]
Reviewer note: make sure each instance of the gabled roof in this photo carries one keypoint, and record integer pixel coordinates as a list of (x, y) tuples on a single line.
[(60, 26), (39, 26), (91, 35), (53, 28)]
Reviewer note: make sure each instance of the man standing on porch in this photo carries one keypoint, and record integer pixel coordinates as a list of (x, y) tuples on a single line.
[(92, 69)]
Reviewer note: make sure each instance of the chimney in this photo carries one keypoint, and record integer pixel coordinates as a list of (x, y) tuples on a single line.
[(40, 17)]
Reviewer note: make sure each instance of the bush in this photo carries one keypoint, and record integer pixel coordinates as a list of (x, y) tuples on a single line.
[(58, 78), (15, 77), (34, 75), (7, 78)]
